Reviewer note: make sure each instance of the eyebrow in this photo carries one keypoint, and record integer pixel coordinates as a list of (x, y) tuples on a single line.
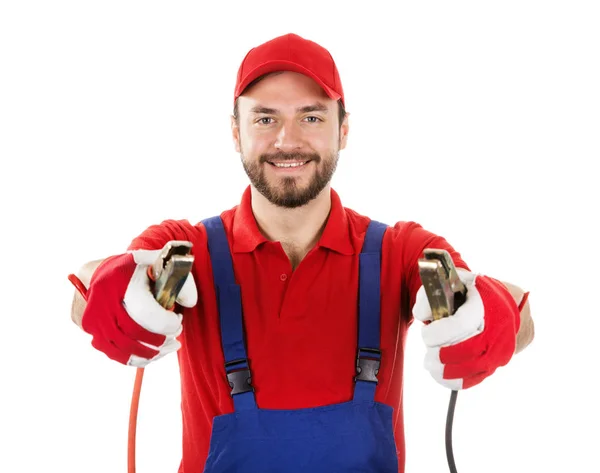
[(316, 107)]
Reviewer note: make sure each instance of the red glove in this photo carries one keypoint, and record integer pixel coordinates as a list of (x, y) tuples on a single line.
[(122, 315), (467, 347)]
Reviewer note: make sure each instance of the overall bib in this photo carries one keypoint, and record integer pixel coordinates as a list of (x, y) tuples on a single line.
[(354, 436)]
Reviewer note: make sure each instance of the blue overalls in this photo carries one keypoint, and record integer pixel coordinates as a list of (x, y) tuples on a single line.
[(354, 436)]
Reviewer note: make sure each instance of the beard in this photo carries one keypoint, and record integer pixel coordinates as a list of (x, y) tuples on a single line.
[(287, 193)]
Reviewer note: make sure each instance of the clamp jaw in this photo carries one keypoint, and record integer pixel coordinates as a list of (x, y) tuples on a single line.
[(170, 270), (445, 291)]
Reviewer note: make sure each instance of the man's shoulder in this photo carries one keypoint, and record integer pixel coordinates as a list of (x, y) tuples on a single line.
[(396, 229), (157, 235), (400, 238)]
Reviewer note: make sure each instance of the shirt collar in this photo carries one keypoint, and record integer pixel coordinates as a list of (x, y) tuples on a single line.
[(247, 236)]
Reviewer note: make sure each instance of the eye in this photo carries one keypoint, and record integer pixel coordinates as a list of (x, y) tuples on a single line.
[(265, 121), (313, 119)]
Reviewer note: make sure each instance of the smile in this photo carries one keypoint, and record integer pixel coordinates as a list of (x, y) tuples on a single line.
[(289, 164)]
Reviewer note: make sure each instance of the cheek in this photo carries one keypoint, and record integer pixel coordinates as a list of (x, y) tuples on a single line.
[(326, 138), (249, 139), (325, 142)]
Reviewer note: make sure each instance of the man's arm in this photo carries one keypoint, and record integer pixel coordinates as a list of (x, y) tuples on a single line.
[(526, 330), (85, 276)]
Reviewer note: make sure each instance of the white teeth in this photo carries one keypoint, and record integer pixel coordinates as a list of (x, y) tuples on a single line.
[(289, 165)]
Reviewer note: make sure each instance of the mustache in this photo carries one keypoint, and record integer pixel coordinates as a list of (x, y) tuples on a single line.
[(264, 158)]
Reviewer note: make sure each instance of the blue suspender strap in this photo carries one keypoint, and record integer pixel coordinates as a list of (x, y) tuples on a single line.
[(229, 303), (369, 356)]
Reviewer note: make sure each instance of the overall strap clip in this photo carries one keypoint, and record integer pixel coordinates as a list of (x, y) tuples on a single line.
[(239, 378), (367, 367)]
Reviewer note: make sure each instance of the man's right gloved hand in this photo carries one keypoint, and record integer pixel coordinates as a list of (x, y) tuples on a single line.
[(122, 315)]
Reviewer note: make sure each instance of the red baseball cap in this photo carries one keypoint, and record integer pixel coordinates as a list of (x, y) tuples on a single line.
[(291, 52)]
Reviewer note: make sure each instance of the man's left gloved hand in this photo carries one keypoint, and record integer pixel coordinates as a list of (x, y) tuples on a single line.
[(465, 348)]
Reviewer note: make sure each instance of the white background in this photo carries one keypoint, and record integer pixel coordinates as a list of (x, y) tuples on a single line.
[(479, 120)]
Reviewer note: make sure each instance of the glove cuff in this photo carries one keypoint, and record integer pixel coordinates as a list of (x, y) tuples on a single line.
[(523, 301), (504, 297)]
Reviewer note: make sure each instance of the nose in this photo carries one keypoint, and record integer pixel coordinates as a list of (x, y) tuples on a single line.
[(289, 137)]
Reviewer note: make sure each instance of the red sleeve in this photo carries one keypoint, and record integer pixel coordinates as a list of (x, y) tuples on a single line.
[(156, 236), (411, 238)]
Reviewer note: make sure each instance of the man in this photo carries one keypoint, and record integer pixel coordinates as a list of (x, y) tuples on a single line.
[(290, 330)]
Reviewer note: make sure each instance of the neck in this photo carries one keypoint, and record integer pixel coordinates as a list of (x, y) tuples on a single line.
[(297, 229)]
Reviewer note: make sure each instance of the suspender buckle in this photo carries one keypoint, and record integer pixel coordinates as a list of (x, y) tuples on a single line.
[(239, 380), (367, 367)]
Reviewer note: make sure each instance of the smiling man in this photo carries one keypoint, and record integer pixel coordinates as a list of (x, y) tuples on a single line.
[(290, 330)]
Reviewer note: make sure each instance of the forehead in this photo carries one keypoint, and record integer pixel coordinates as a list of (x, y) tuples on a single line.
[(283, 90)]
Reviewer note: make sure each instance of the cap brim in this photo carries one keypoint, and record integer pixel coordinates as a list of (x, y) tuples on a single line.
[(281, 65)]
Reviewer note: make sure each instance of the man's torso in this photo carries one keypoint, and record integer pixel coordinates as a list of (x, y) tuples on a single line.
[(300, 326)]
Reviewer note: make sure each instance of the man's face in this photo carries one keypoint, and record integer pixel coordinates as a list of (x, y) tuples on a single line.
[(289, 138)]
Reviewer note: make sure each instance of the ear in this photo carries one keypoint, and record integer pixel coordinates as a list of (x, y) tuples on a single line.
[(235, 134), (344, 131)]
